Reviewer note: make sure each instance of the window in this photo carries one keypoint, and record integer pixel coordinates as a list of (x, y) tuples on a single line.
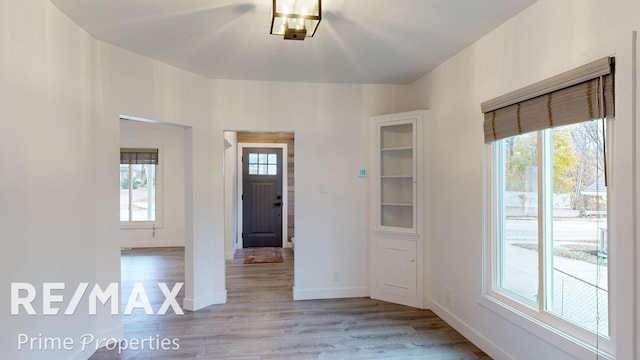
[(547, 239), (138, 185), (263, 164), (551, 222)]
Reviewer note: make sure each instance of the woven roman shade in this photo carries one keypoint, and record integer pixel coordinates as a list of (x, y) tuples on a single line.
[(582, 94), (139, 156)]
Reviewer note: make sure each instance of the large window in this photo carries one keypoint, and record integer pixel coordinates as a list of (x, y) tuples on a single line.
[(551, 223), (547, 229), (138, 186)]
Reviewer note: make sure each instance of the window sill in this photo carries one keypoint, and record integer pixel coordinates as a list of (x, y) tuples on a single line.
[(139, 225), (546, 332)]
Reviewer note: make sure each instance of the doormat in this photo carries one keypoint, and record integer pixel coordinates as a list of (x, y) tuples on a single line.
[(263, 256)]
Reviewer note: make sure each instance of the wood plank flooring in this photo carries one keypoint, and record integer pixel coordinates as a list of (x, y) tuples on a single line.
[(261, 320)]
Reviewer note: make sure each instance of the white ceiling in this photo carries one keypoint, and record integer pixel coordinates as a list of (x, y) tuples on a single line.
[(358, 41)]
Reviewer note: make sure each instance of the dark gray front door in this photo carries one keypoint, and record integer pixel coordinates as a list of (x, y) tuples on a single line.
[(261, 197)]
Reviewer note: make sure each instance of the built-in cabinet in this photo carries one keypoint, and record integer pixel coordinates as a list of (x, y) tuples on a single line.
[(396, 208)]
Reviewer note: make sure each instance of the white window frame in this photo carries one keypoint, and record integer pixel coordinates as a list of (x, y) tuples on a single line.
[(158, 223), (526, 315)]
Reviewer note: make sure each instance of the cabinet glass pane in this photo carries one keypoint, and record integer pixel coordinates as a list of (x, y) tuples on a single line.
[(396, 216), (396, 136), (396, 163), (396, 190)]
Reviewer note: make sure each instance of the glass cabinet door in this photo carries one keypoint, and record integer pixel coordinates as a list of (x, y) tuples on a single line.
[(397, 175)]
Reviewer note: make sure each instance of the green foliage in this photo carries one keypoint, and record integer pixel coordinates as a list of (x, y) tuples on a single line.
[(565, 163), (522, 163), (521, 160), (124, 183)]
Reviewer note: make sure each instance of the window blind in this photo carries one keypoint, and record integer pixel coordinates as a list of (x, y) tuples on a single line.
[(138, 156), (582, 94)]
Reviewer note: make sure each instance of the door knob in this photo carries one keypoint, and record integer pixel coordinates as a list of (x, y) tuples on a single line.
[(278, 204)]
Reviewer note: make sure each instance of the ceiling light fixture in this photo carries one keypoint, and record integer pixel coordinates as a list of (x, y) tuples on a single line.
[(295, 19)]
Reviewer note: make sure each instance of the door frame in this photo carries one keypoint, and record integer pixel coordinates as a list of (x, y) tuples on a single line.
[(285, 200)]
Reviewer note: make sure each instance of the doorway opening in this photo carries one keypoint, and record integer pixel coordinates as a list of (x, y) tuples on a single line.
[(267, 186), (255, 202), (153, 246)]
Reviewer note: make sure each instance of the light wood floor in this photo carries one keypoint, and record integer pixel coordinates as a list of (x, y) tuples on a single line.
[(261, 320)]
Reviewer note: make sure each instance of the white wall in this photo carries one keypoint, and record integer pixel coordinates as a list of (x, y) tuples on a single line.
[(548, 38), (61, 95), (170, 139), (49, 133), (230, 193), (139, 87)]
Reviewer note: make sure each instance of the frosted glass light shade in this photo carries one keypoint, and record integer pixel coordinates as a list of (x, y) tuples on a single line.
[(295, 19)]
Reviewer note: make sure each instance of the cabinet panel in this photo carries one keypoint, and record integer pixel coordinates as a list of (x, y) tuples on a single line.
[(396, 275)]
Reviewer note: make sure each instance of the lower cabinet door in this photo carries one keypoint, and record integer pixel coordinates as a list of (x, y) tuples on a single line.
[(395, 271)]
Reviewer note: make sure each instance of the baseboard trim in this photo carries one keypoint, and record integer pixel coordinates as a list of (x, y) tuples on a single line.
[(470, 333), (151, 244), (204, 301), (416, 302), (329, 293)]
